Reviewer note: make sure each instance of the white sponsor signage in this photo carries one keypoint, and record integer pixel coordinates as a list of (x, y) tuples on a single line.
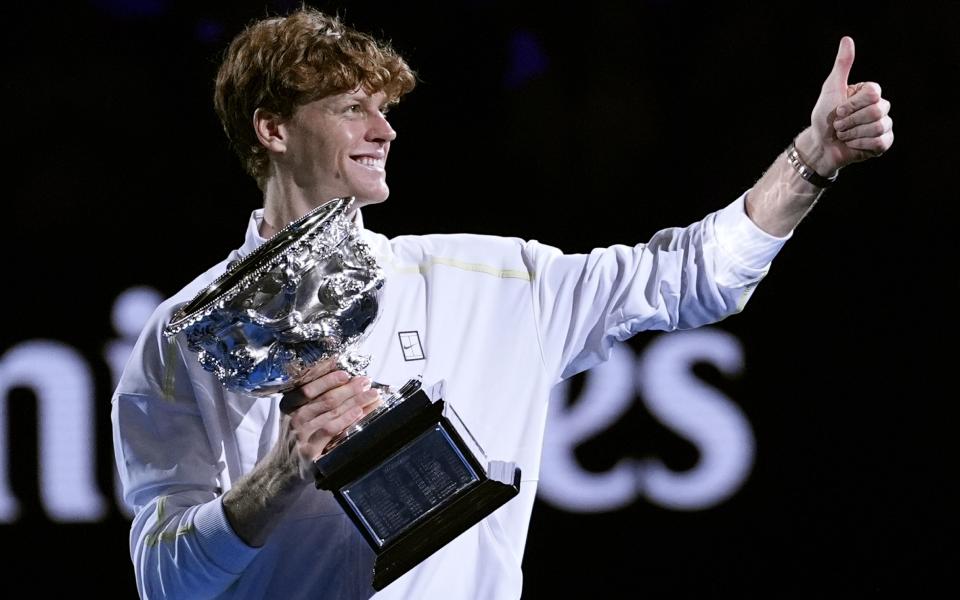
[(61, 380)]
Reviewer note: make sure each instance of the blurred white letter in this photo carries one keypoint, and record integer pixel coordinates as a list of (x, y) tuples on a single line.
[(61, 381), (700, 414), (607, 394)]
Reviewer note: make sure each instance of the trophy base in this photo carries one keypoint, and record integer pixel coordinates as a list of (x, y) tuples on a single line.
[(414, 479)]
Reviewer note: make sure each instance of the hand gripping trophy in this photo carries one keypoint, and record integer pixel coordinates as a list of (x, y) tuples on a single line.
[(409, 474)]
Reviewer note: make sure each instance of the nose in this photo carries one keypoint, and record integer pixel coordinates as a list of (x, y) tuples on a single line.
[(380, 130)]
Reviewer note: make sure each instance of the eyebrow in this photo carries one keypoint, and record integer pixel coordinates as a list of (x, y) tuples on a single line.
[(337, 101)]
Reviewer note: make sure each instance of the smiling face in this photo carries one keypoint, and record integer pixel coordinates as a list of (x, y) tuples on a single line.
[(337, 146)]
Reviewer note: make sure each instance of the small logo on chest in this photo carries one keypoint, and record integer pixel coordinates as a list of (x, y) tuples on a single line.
[(410, 343)]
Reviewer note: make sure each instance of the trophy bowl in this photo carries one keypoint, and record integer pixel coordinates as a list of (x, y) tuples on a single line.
[(308, 293)]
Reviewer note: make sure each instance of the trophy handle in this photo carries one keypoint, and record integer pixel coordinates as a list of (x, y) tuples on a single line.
[(353, 363)]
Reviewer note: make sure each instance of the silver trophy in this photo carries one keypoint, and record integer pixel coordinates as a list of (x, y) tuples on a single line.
[(409, 474), (312, 291)]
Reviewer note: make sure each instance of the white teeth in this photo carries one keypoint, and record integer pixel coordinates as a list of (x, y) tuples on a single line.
[(369, 161)]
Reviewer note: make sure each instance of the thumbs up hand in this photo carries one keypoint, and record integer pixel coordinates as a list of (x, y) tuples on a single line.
[(850, 122)]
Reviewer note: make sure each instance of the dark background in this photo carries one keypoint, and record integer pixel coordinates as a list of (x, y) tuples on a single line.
[(582, 126)]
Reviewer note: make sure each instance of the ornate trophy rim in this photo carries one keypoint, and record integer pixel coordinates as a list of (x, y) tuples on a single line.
[(247, 271)]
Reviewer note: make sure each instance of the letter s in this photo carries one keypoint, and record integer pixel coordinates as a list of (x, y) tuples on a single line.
[(607, 395), (700, 413)]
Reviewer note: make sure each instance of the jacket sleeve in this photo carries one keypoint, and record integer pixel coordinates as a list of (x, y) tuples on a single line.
[(680, 279), (180, 541)]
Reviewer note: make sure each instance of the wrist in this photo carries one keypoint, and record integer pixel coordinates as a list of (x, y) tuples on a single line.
[(288, 472), (813, 154)]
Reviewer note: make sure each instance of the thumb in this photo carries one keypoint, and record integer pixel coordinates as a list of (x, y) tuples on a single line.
[(841, 65)]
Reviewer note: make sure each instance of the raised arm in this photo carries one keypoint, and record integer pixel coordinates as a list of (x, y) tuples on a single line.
[(850, 123)]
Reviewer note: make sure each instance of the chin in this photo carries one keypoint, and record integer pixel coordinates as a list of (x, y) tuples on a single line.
[(368, 199)]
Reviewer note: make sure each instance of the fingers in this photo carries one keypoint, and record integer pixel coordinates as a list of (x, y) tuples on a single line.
[(322, 408), (326, 426), (869, 130), (369, 408), (331, 398), (316, 386), (875, 145), (869, 114), (329, 423), (318, 370), (328, 383), (866, 94)]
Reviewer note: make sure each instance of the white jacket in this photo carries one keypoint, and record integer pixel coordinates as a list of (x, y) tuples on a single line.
[(500, 320)]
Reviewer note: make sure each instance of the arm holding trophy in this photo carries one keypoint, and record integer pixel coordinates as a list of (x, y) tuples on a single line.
[(327, 403)]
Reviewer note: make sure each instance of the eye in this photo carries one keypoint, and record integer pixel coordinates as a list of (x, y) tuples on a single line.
[(354, 109)]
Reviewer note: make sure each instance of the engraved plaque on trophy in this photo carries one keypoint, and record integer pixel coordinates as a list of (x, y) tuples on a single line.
[(409, 474)]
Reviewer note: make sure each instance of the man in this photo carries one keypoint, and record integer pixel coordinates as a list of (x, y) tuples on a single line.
[(222, 483)]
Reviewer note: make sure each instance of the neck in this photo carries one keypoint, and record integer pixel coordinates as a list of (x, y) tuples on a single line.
[(284, 202)]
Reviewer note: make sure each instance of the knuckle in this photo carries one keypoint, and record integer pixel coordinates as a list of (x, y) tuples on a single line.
[(322, 389), (334, 426), (360, 384), (320, 369), (328, 402), (336, 378), (303, 422), (335, 412), (312, 393), (328, 429), (313, 389), (313, 372)]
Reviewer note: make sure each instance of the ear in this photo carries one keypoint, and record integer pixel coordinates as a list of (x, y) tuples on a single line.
[(270, 130)]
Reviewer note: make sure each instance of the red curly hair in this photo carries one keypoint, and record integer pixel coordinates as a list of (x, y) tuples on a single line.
[(278, 64)]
